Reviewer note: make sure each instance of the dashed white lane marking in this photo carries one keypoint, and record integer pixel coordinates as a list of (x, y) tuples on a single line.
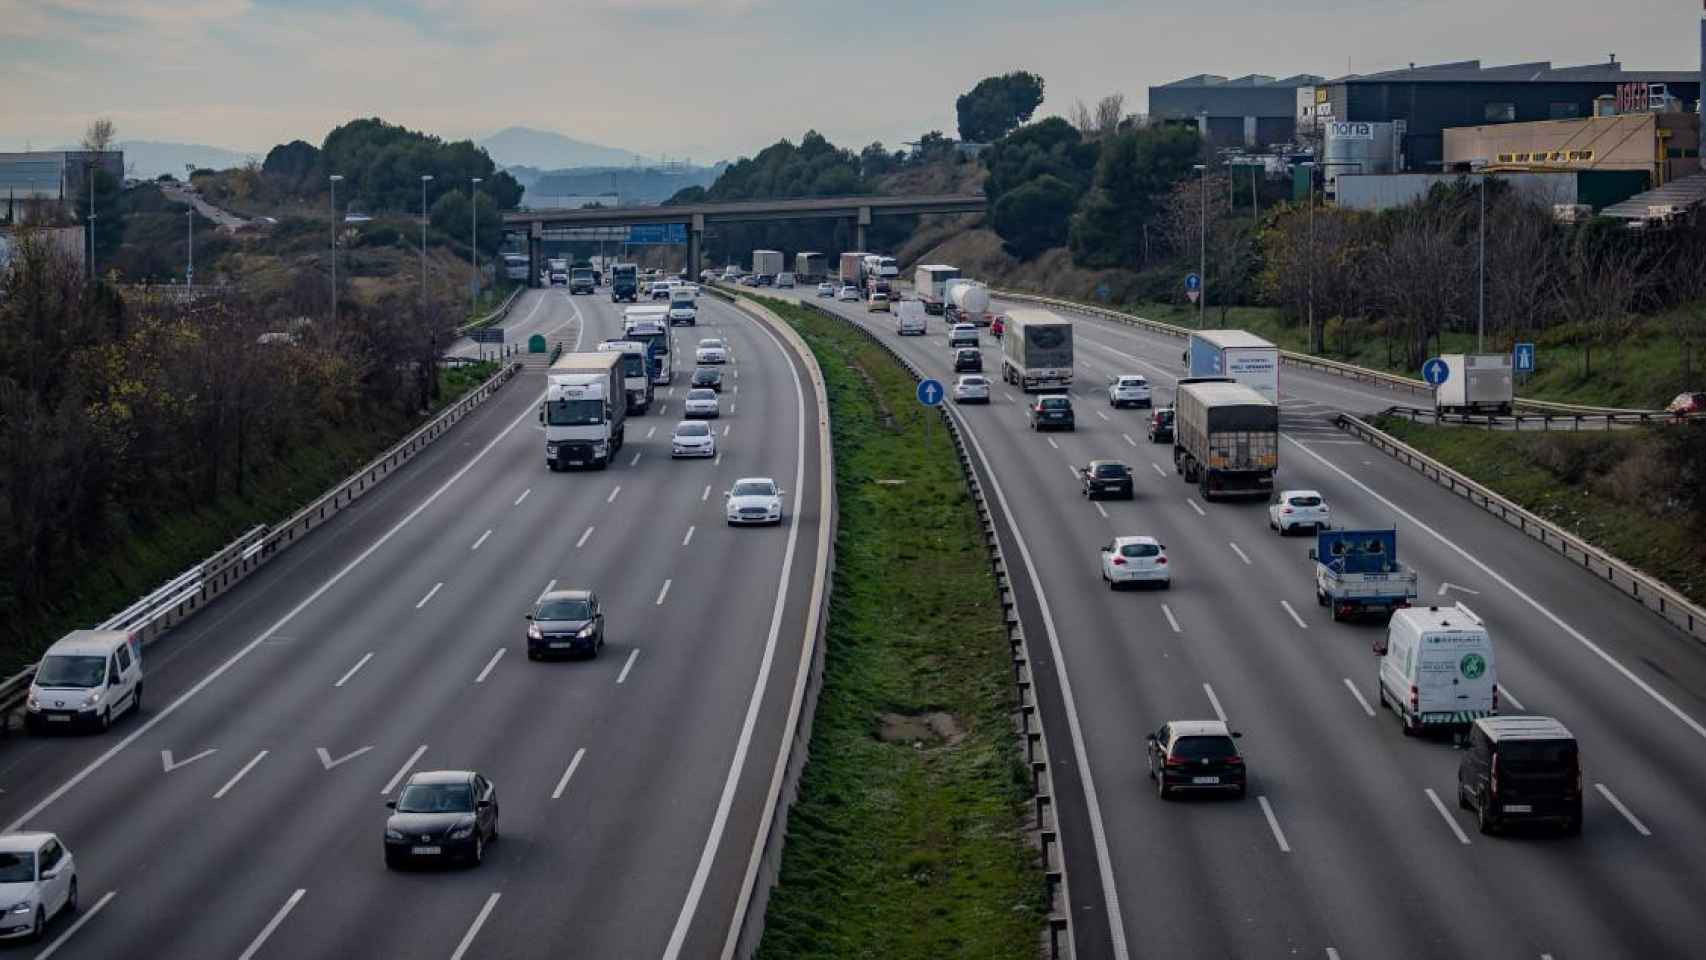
[(664, 592), (706, 495), (429, 594), (689, 538), (1241, 555), (1361, 700), (1273, 824), (1294, 617), (651, 433), (548, 588), (636, 460), (479, 921), (523, 496), (1172, 621), (1634, 821), (1099, 510), (267, 931), (1445, 815), (1194, 506), (623, 676), (1052, 443), (358, 665), (403, 770), (1158, 469), (726, 429), (1102, 415), (1128, 439), (582, 541), (563, 784), (480, 541), (1214, 702), (613, 493), (489, 665), (240, 774), (1505, 692)]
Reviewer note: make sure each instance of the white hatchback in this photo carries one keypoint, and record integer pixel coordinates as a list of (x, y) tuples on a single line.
[(971, 388), (826, 289), (692, 438), (848, 294), (1135, 560), (701, 404), (38, 880), (963, 335), (1128, 390), (753, 500), (712, 350), (1291, 509)]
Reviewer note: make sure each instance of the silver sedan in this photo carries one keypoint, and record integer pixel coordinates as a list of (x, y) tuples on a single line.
[(971, 388)]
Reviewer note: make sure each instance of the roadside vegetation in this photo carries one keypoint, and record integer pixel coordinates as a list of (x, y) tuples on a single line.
[(907, 839), (1638, 494)]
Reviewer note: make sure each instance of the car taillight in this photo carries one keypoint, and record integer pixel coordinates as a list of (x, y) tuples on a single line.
[(1234, 761), (1495, 698), (1415, 697), (1160, 560), (1173, 762), (1286, 510), (1119, 561)]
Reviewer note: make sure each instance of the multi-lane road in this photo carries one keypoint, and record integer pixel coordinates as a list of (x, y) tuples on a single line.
[(1350, 843), (241, 814)]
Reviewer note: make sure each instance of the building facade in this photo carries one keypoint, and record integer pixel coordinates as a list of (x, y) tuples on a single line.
[(1253, 111), (57, 175)]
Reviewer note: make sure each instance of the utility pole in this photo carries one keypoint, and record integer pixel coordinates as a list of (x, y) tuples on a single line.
[(89, 168), (474, 243), (425, 179), (1481, 322), (1313, 345), (1202, 247), (334, 214), (189, 275)]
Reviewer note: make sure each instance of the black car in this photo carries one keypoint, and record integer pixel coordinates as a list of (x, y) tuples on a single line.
[(1052, 412), (441, 815), (1521, 769), (565, 622), (709, 377), (765, 280), (968, 361), (1196, 756), (1161, 426), (1106, 478)]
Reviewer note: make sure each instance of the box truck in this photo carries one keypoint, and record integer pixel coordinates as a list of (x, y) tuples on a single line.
[(1036, 351), (1225, 438), (1476, 383), (1236, 354), (585, 410), (930, 281)]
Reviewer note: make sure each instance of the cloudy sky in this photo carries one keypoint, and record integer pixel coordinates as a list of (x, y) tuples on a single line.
[(714, 79)]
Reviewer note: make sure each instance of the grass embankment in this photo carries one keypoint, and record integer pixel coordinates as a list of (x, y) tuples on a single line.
[(907, 840), (145, 557), (1625, 491)]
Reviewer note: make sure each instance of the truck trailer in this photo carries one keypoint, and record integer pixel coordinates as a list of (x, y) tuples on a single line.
[(636, 378), (1235, 354), (967, 302), (1225, 438), (852, 272), (810, 268), (767, 263), (930, 282), (1036, 350), (1476, 383), (585, 410)]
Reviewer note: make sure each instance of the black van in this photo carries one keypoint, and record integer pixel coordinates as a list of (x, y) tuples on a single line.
[(1521, 769)]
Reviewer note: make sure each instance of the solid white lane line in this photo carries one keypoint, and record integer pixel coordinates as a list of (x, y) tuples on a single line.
[(403, 770), (1214, 702), (613, 493), (1241, 555), (358, 665), (635, 461), (651, 433), (1194, 506), (479, 921), (548, 588), (582, 541), (689, 538), (1361, 700), (1128, 439), (523, 496), (726, 427), (1102, 415), (267, 931), (1052, 443), (1611, 798), (1099, 509), (435, 588), (490, 664), (1157, 467), (1558, 621), (1505, 692), (664, 592), (482, 539), (239, 774), (623, 676), (1172, 621), (706, 495), (83, 917), (1295, 618), (1445, 815), (563, 784), (1273, 824)]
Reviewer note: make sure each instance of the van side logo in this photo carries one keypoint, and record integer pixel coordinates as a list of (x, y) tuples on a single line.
[(1472, 665)]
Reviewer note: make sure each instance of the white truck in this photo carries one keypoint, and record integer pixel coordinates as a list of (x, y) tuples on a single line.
[(683, 305), (1237, 354), (585, 411), (767, 263), (1476, 383), (635, 379), (1036, 350), (649, 324), (557, 269), (968, 302), (930, 282)]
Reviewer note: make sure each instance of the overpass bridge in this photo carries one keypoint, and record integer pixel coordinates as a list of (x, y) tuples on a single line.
[(694, 217)]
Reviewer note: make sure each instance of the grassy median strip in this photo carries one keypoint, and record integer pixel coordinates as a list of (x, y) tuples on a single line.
[(907, 840)]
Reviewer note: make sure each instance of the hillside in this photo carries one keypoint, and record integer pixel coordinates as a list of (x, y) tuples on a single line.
[(548, 150)]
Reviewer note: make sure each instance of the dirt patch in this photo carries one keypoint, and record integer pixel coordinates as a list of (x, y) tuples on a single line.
[(920, 729)]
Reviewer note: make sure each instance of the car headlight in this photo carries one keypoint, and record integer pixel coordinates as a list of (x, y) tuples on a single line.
[(462, 833), (391, 834), (32, 702), (533, 632), (22, 906), (586, 631)]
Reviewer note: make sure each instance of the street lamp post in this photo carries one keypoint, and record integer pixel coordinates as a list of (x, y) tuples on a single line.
[(425, 179), (1481, 321), (334, 211), (90, 170), (189, 275), (1311, 255), (1202, 248), (474, 243)]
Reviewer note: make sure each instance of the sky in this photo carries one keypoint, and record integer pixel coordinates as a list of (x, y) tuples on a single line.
[(719, 79)]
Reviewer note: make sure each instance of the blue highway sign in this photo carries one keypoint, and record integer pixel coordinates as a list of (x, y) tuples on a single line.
[(930, 392)]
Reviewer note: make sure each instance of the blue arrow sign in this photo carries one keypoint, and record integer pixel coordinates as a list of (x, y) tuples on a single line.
[(1193, 282), (930, 392), (1435, 372), (1523, 358)]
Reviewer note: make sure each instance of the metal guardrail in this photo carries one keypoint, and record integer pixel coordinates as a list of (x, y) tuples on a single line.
[(1651, 593), (501, 312), (189, 592), (1573, 421)]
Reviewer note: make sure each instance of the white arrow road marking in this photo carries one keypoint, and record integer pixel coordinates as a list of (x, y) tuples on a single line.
[(1448, 585), (167, 762), (326, 756)]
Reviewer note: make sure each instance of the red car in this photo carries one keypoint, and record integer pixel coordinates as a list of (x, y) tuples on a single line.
[(1687, 403), (997, 325)]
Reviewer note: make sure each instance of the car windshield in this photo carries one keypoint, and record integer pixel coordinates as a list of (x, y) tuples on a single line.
[(706, 376), (1115, 470), (710, 344), (17, 867), (754, 488), (972, 381), (72, 671), (436, 798), (1204, 748), (1164, 416), (563, 610), (574, 413), (1054, 403), (701, 395), (1305, 501), (968, 354), (1140, 550), (1134, 382), (1537, 756), (692, 430)]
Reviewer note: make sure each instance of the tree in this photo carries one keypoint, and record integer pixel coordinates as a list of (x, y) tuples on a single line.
[(1134, 172), (875, 161), (1035, 217), (295, 167), (99, 136), (1103, 121), (997, 105), (1049, 146), (450, 213), (693, 194)]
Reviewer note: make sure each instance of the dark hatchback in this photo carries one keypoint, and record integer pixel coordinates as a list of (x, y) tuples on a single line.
[(565, 623), (1053, 412), (1106, 478), (968, 361), (709, 377), (1521, 769), (441, 815), (1196, 756), (1161, 426)]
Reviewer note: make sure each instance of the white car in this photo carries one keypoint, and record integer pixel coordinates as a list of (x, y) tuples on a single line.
[(692, 288), (848, 294), (826, 289), (753, 500), (1128, 390), (712, 350), (88, 678), (660, 290), (1291, 509), (38, 879), (971, 388), (701, 403), (784, 280), (963, 335), (692, 438), (1135, 560)]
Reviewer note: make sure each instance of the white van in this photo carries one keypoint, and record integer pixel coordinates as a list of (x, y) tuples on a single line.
[(910, 318), (89, 678), (1437, 668)]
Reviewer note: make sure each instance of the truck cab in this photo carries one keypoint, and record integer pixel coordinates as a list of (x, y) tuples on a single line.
[(624, 283), (581, 280), (584, 412), (683, 306), (636, 379)]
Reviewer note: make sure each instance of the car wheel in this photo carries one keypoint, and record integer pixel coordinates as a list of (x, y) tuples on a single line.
[(1161, 786), (532, 654), (1485, 821), (1410, 729), (71, 898), (1242, 791), (1463, 798), (106, 719), (393, 861), (39, 928), (494, 826), (1573, 826), (1320, 598), (1380, 691), (479, 850), (1113, 584), (136, 702)]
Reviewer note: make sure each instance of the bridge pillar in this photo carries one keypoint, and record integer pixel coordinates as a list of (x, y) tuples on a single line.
[(695, 246), (535, 252), (859, 226)]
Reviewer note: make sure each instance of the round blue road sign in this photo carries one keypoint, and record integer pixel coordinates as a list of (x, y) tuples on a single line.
[(1435, 372), (931, 392), (1193, 282)]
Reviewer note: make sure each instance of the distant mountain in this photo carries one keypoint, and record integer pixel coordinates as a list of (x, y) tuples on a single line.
[(612, 185), (151, 158), (525, 146)]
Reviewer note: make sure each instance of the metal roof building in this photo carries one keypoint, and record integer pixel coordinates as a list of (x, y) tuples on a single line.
[(1249, 111)]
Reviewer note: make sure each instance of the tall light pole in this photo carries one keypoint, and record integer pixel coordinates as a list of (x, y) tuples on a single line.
[(425, 179), (90, 170), (1311, 256), (1202, 248), (189, 275), (334, 209), (474, 243), (1481, 322)]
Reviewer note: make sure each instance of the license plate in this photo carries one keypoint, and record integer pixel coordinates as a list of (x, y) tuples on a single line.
[(560, 644), (424, 851), (575, 463), (58, 718), (1519, 808), (1205, 780)]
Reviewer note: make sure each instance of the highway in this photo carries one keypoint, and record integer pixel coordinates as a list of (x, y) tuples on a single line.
[(1350, 843), (241, 814)]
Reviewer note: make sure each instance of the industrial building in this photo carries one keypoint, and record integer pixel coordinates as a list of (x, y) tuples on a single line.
[(1253, 111), (58, 175)]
